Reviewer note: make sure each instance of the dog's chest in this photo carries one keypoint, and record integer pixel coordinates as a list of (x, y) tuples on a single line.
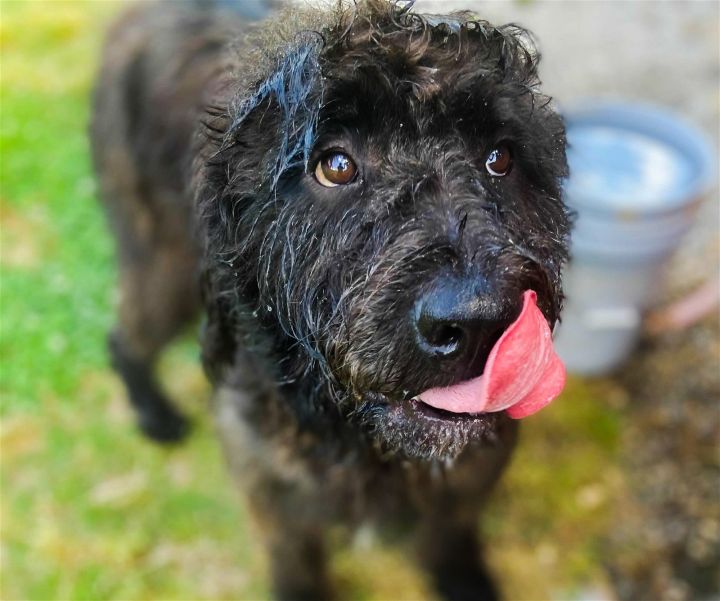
[(338, 482)]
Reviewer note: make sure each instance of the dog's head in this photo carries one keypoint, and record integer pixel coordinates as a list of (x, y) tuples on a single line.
[(379, 195)]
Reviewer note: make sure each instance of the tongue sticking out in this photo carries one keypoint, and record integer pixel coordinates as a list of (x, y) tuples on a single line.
[(522, 373)]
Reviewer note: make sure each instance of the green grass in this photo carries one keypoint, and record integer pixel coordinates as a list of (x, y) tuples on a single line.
[(90, 510)]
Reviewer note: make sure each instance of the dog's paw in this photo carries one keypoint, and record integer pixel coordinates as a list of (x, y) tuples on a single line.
[(475, 586), (165, 427)]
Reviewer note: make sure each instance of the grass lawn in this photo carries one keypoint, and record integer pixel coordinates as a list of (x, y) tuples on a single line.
[(89, 509)]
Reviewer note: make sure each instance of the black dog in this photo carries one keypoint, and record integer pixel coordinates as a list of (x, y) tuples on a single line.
[(361, 196)]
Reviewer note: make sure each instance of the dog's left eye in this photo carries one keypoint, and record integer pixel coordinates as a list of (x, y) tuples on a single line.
[(335, 169), (499, 161)]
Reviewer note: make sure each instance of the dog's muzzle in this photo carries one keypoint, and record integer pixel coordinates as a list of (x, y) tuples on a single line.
[(504, 355)]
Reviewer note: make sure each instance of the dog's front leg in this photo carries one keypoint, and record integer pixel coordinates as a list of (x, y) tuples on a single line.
[(282, 491), (298, 567), (449, 548), (449, 551)]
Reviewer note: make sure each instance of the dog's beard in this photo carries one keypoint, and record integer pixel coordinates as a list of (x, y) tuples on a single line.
[(414, 430)]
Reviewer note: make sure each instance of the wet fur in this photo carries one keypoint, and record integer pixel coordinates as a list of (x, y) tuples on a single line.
[(205, 132)]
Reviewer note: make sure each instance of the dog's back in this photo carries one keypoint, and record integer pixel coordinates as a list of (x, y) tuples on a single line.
[(158, 64)]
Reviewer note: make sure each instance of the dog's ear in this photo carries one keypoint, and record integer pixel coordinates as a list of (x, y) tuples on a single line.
[(250, 138), (284, 105)]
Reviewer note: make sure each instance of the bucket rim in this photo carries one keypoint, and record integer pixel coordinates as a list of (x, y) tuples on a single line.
[(660, 123)]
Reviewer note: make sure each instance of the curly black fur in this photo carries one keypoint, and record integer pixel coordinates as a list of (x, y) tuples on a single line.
[(420, 99), (308, 290)]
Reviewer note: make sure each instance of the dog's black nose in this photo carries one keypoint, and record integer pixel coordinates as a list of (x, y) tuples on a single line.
[(458, 319)]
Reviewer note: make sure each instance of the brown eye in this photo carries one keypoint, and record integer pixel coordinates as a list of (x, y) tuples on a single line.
[(335, 169), (499, 161)]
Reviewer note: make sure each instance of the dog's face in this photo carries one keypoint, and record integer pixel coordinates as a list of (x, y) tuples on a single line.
[(384, 198)]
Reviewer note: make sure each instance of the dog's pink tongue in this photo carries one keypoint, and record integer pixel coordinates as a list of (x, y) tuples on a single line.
[(522, 373)]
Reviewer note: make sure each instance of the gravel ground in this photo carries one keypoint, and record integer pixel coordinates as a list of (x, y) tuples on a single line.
[(666, 539), (667, 545)]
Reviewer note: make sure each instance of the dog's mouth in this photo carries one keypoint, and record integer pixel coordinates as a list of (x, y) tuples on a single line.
[(522, 373), (429, 412)]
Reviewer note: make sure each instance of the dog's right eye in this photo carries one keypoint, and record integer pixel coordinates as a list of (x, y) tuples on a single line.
[(499, 161), (335, 169)]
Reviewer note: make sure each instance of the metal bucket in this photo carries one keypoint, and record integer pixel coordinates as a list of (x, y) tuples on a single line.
[(637, 175)]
